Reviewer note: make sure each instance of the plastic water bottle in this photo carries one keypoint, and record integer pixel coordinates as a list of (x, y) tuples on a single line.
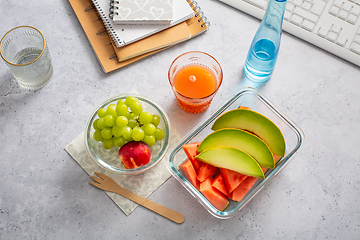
[(264, 48)]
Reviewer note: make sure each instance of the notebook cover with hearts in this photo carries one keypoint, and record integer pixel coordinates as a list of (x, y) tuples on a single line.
[(142, 11)]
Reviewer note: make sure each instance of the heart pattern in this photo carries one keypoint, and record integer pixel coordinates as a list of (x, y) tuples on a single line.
[(137, 10), (157, 12), (124, 12)]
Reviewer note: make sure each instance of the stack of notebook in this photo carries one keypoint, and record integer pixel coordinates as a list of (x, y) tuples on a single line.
[(117, 45)]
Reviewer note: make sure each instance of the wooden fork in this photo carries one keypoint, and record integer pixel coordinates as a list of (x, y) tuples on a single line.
[(106, 183)]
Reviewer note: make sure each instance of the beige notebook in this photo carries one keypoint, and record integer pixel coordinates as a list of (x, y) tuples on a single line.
[(103, 47)]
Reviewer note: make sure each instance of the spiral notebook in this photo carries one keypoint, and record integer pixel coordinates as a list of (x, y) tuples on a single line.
[(104, 47), (124, 34), (142, 11), (169, 37)]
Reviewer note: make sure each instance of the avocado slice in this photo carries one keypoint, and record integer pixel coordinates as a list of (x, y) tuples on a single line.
[(256, 123), (245, 141), (236, 160)]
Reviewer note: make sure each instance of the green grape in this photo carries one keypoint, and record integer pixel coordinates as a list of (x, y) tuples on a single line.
[(108, 143), (106, 133), (97, 136), (119, 141), (136, 107), (122, 121), (111, 110), (101, 112), (127, 133), (121, 101), (149, 139), (117, 131), (128, 115), (95, 126), (122, 109), (145, 117), (101, 123), (149, 128), (155, 120), (130, 100), (159, 134), (137, 133), (109, 120), (133, 123)]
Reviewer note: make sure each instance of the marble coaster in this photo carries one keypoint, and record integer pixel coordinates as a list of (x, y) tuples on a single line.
[(143, 184)]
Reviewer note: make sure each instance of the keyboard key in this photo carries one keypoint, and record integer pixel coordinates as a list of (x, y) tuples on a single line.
[(332, 36), (346, 6), (334, 10), (338, 3), (306, 6), (343, 14), (287, 15), (355, 10), (258, 3), (305, 14), (352, 19), (357, 39), (336, 28), (290, 7), (341, 41), (355, 48), (296, 19), (308, 25), (322, 32), (297, 2), (318, 7)]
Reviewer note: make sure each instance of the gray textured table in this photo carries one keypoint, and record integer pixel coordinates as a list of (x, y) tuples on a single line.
[(44, 194)]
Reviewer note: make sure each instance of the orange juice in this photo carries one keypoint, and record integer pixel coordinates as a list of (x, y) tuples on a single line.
[(195, 81), (195, 77)]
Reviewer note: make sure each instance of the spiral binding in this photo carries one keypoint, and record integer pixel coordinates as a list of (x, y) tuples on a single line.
[(112, 7), (199, 13), (107, 23)]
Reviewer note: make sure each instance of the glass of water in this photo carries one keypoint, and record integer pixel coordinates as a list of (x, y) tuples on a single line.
[(26, 54)]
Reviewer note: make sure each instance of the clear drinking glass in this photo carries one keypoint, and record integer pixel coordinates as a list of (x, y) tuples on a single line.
[(201, 67), (26, 54)]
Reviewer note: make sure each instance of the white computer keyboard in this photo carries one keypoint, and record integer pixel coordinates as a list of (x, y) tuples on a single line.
[(333, 25)]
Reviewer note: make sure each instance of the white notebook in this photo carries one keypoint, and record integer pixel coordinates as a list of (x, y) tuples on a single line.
[(124, 34), (142, 11)]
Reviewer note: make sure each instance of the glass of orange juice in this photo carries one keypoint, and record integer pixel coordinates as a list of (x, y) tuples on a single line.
[(195, 77)]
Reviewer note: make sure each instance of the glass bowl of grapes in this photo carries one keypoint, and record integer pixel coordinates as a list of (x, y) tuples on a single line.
[(127, 134)]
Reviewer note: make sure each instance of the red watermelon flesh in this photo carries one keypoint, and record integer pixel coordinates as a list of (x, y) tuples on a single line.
[(239, 193), (191, 152), (232, 179), (276, 158), (219, 184), (215, 197), (206, 171), (190, 174)]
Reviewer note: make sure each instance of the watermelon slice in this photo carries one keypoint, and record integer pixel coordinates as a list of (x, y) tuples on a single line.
[(276, 158), (190, 174), (239, 193), (191, 152), (232, 179), (206, 171), (219, 184), (215, 197)]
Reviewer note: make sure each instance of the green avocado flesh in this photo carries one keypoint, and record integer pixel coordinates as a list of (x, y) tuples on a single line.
[(245, 141), (233, 159), (256, 123)]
